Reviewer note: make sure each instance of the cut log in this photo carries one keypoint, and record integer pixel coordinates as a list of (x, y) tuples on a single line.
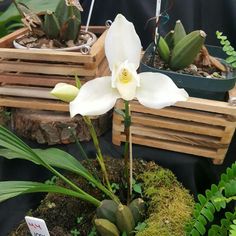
[(50, 127)]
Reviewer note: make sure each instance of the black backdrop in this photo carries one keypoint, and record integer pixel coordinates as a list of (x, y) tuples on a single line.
[(196, 173), (208, 15)]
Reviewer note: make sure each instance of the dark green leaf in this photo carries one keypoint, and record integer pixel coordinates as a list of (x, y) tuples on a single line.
[(202, 199), (200, 227), (10, 189), (195, 233), (208, 214)]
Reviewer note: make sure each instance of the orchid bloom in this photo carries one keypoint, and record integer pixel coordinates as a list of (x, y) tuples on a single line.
[(123, 51)]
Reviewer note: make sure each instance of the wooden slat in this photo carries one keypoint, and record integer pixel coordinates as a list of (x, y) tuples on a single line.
[(203, 152), (37, 104), (181, 113), (226, 138), (208, 105), (36, 80), (6, 41), (202, 105), (172, 124), (24, 91), (97, 51), (41, 68), (172, 135), (45, 55)]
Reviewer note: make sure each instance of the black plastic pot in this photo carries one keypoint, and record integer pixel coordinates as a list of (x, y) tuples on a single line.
[(197, 86)]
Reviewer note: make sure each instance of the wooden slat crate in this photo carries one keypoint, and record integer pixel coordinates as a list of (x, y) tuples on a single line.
[(198, 126), (27, 76)]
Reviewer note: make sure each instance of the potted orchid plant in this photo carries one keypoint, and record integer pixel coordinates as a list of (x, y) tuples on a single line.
[(183, 56), (96, 97)]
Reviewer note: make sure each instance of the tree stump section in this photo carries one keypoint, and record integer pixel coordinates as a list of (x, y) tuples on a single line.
[(50, 127)]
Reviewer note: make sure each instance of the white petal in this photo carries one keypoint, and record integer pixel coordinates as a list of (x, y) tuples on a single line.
[(65, 92), (158, 90), (127, 91), (95, 97), (122, 43)]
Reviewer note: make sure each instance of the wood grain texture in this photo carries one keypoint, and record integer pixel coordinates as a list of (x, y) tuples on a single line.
[(198, 126)]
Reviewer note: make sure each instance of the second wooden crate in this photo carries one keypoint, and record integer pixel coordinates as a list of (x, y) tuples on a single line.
[(198, 126)]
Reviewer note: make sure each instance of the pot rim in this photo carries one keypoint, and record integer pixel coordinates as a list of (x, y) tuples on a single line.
[(84, 48)]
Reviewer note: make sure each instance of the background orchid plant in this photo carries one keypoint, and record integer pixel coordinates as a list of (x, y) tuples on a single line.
[(154, 90)]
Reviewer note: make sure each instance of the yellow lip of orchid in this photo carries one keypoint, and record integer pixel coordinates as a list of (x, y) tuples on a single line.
[(123, 50)]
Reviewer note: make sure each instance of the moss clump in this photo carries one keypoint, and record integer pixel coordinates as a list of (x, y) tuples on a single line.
[(170, 205)]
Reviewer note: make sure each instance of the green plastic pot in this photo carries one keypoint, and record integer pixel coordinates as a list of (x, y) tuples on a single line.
[(196, 86)]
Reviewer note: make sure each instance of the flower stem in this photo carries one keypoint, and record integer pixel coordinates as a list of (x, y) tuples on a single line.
[(127, 123), (99, 152)]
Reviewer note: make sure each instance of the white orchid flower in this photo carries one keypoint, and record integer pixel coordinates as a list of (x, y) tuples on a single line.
[(123, 50)]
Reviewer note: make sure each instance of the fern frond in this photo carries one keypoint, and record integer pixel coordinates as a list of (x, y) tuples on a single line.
[(233, 229), (227, 48), (224, 227), (214, 200)]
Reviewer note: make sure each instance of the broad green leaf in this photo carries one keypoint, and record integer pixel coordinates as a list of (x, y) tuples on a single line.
[(46, 158), (10, 189), (37, 5), (53, 157)]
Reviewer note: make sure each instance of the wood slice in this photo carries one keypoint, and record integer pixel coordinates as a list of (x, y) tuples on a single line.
[(4, 116), (50, 127)]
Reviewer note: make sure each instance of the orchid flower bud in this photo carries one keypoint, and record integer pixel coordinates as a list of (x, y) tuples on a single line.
[(65, 92)]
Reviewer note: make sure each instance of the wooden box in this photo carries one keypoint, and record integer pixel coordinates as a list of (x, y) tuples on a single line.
[(198, 126), (27, 76)]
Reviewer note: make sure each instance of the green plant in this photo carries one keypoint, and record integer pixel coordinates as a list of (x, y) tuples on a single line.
[(62, 25), (214, 200), (178, 49), (227, 48), (11, 19), (233, 229)]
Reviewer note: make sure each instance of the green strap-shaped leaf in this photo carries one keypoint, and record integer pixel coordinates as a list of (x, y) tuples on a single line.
[(49, 157), (10, 189), (53, 157)]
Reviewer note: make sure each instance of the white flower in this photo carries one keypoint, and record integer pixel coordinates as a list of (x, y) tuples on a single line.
[(123, 50)]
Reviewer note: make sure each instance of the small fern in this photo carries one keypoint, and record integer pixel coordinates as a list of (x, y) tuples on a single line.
[(227, 48), (214, 200), (233, 229), (224, 227)]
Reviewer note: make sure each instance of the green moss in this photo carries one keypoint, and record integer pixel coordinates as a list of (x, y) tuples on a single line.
[(170, 205)]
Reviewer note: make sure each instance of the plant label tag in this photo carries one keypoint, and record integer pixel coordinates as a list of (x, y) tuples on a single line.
[(37, 226)]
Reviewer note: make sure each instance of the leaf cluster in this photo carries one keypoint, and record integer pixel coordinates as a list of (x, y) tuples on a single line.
[(11, 19), (215, 199), (227, 48)]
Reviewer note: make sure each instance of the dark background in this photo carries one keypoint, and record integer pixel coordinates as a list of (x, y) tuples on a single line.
[(196, 173)]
